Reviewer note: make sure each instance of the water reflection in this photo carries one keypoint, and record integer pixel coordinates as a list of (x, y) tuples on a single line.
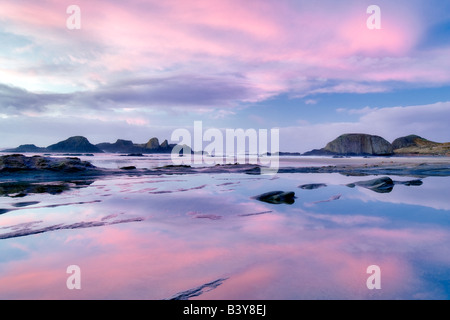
[(203, 228)]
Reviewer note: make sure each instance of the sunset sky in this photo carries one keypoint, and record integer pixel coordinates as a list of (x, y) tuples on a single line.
[(142, 68)]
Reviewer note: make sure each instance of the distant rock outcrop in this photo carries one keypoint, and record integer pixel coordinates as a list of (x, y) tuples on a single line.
[(416, 145), (152, 144), (126, 146), (120, 146), (81, 145), (408, 141), (359, 144), (356, 144), (164, 145), (76, 144), (27, 148)]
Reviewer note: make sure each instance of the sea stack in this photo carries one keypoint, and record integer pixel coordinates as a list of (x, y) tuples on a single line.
[(76, 144)]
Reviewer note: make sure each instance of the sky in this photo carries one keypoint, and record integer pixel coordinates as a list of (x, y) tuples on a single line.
[(139, 69)]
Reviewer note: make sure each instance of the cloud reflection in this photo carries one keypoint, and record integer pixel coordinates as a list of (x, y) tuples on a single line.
[(288, 252)]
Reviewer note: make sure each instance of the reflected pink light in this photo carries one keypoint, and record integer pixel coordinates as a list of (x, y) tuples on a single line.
[(287, 262)]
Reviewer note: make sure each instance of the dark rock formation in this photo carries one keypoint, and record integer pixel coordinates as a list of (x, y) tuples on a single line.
[(152, 144), (312, 186), (76, 144), (126, 146), (23, 189), (408, 141), (384, 184), (356, 144), (379, 185), (120, 146), (18, 162), (165, 144), (359, 144), (27, 148), (133, 155), (410, 183), (319, 152), (277, 197), (128, 168), (416, 145)]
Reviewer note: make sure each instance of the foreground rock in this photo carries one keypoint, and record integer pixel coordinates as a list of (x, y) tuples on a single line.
[(380, 185), (312, 186), (23, 189), (277, 197), (21, 163), (384, 184)]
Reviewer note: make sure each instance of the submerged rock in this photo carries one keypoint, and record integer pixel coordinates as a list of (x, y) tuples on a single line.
[(312, 186), (380, 185), (332, 198), (133, 155), (22, 189), (410, 183), (384, 184), (277, 197), (25, 204), (128, 168)]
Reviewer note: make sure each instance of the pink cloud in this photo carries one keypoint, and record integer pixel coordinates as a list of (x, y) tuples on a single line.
[(274, 46)]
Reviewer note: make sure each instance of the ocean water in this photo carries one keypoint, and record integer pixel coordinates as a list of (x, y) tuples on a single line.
[(205, 236)]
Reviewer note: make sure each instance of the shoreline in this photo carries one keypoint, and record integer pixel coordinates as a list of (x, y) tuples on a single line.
[(60, 168)]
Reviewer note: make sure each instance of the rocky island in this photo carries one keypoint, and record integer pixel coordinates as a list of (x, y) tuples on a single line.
[(359, 144), (79, 144), (127, 146)]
